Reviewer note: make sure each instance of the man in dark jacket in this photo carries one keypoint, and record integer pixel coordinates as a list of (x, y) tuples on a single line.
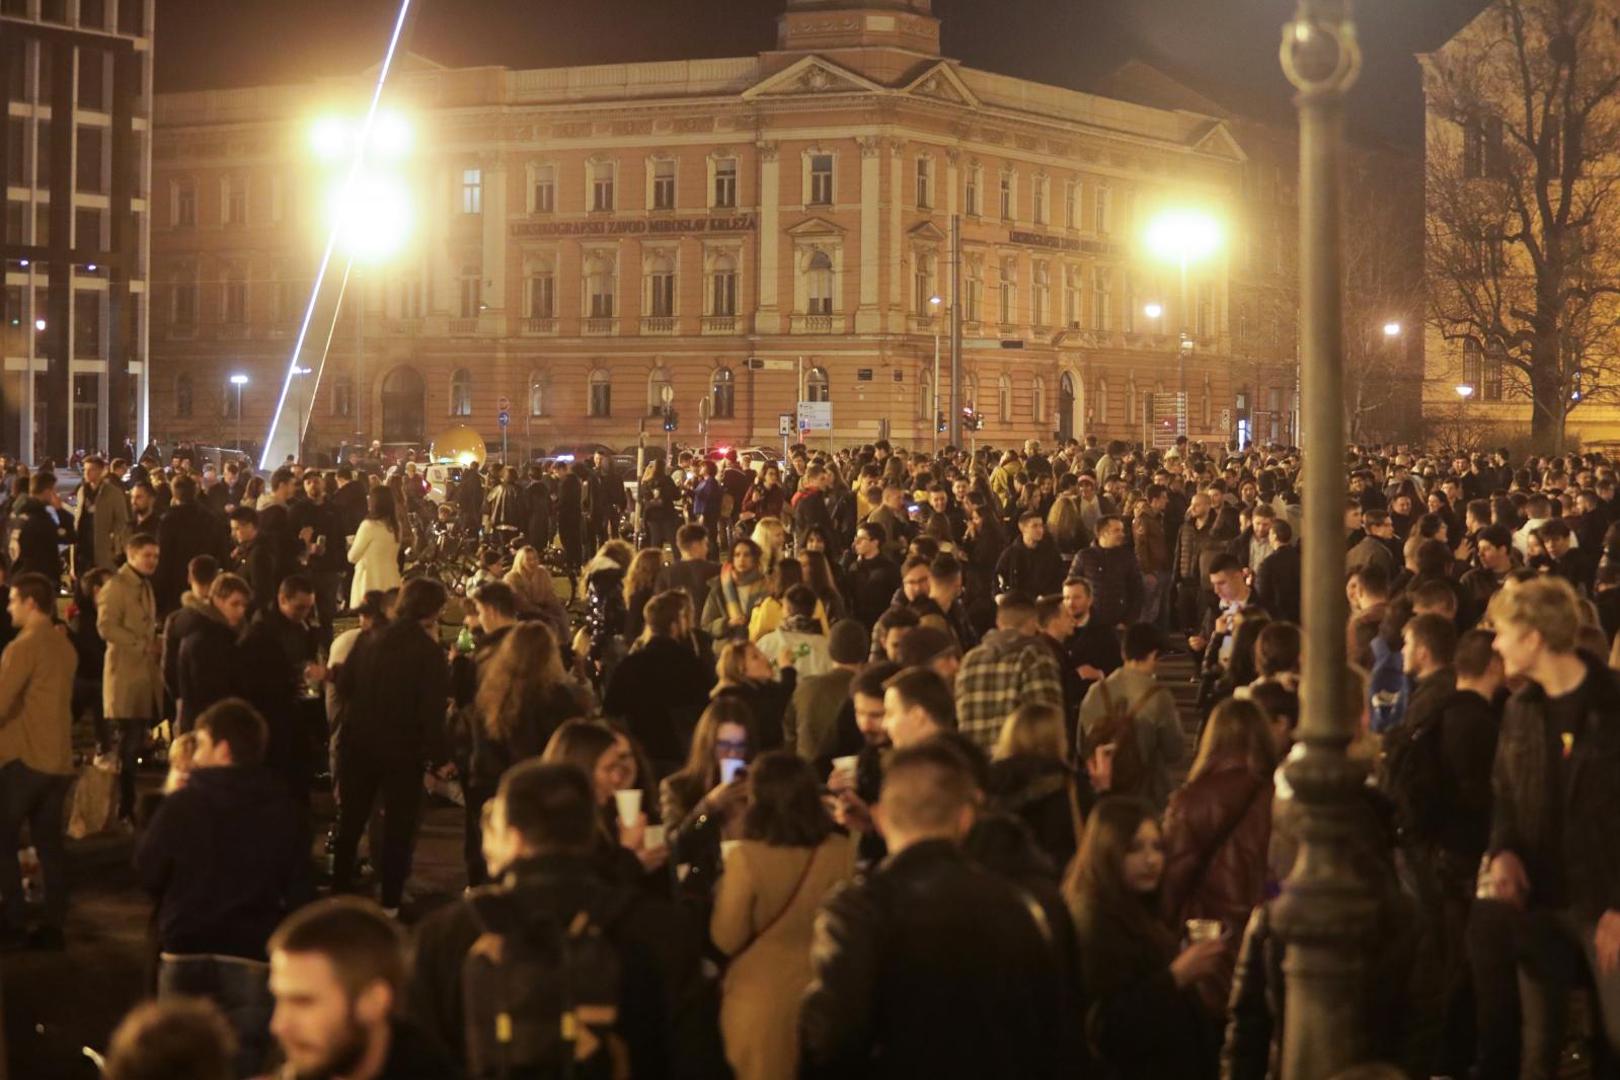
[(1031, 564), (661, 688), (695, 571), (1556, 812), (277, 659), (225, 858), (539, 523), (391, 694), (188, 529), (1116, 579), (604, 499), (37, 532), (872, 575), (927, 936), (207, 664), (1277, 579), (319, 531), (540, 835)]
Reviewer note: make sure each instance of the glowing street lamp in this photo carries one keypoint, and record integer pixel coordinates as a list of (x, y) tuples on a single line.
[(1183, 236), (239, 380), (1154, 311), (1392, 329), (1465, 391)]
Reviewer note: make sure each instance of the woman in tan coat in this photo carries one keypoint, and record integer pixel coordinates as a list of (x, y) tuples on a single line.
[(790, 857)]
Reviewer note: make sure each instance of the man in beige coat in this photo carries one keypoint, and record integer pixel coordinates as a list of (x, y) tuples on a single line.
[(98, 540), (131, 683), (36, 755)]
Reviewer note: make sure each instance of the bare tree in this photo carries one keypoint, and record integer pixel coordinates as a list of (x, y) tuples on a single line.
[(1383, 283), (1523, 235)]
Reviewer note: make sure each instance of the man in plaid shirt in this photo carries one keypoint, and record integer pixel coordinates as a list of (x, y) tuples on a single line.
[(1011, 667)]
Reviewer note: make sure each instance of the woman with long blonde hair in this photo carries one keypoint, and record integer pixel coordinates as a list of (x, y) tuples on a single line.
[(771, 537), (640, 586)]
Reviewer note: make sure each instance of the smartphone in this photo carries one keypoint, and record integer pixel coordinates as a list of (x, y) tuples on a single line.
[(732, 769)]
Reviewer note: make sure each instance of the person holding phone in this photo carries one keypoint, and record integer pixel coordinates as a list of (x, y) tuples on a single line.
[(702, 804)]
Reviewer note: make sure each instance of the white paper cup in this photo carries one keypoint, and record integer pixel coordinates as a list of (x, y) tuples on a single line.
[(845, 764), (1203, 930), (629, 802)]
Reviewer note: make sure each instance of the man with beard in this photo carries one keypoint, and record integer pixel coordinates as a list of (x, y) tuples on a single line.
[(337, 970)]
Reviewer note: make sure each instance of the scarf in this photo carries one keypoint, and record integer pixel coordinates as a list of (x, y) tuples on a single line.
[(733, 585)]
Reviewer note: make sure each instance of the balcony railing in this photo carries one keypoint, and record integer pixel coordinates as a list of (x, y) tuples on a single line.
[(927, 324), (719, 324), (402, 327), (658, 324), (539, 326), (463, 327), (815, 324), (600, 325)]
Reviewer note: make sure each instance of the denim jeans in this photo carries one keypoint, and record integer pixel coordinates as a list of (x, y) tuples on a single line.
[(241, 989), (37, 798), (1559, 951)]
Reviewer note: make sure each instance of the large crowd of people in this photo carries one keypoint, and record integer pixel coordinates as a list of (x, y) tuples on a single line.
[(864, 762)]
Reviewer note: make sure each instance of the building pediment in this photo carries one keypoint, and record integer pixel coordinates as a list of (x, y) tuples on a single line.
[(927, 232), (1216, 139), (815, 228), (809, 77), (942, 83)]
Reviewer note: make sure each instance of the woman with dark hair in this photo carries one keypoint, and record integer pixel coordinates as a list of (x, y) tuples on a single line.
[(789, 858), (820, 575), (767, 496), (607, 758), (1217, 828), (374, 551), (524, 696), (661, 502), (1241, 669), (702, 803), (1144, 1018)]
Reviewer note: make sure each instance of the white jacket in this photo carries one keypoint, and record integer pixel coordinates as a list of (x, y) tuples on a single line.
[(375, 556)]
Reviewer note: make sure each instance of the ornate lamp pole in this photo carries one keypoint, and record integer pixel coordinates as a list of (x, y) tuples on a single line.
[(1326, 910)]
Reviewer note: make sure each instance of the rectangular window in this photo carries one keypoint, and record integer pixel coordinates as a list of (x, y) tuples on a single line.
[(87, 170), (87, 324), (1043, 294), (1071, 295), (602, 186), (1473, 364), (1100, 222), (601, 398), (821, 179), (725, 292), (283, 300), (1206, 312), (236, 201), (472, 299), (924, 184), (1006, 197), (1071, 205), (973, 301), (543, 296), (970, 194), (725, 183), (234, 308), (661, 294), (93, 80), (545, 189), (1038, 200), (1009, 289), (185, 206), (663, 185), (472, 191), (1100, 284), (185, 304), (1491, 390), (923, 284), (16, 151)]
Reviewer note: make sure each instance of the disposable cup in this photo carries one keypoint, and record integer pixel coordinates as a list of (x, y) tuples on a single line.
[(629, 802), (1203, 930)]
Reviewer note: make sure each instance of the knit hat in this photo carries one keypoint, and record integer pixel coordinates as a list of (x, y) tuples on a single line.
[(849, 642)]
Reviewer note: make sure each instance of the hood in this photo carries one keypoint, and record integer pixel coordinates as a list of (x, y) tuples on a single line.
[(192, 602)]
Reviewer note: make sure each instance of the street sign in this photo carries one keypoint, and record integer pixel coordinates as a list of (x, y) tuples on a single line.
[(776, 365), (505, 418), (784, 424), (503, 404), (815, 416)]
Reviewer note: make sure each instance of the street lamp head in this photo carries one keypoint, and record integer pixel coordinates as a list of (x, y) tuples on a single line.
[(39, 324), (1183, 235), (935, 301), (300, 371), (239, 380), (372, 215), (1392, 329), (1465, 391), (329, 138), (1153, 311)]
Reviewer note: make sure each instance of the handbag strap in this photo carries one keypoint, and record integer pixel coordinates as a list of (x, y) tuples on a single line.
[(798, 887)]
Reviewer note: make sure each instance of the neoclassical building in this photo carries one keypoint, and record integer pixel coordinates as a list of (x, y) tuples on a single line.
[(747, 233)]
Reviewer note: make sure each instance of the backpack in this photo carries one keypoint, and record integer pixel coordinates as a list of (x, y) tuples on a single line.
[(1130, 775), (541, 997), (1415, 776), (1387, 689)]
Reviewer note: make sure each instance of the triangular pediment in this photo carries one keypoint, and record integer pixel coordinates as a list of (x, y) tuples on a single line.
[(408, 63), (809, 77), (928, 231), (815, 226), (942, 83), (1215, 138)]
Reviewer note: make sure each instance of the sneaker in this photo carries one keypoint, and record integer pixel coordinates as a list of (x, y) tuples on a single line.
[(47, 939)]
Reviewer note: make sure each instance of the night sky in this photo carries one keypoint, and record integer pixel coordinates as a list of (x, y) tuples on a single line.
[(219, 43)]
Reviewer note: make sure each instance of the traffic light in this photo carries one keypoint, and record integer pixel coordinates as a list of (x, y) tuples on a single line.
[(971, 418), (939, 421), (672, 420)]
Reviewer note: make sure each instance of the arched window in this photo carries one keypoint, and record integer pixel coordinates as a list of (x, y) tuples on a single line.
[(601, 387), (1102, 401), (724, 405), (537, 395), (184, 397), (461, 393), (1038, 403), (816, 386), (1004, 397), (658, 380), (821, 284), (343, 395)]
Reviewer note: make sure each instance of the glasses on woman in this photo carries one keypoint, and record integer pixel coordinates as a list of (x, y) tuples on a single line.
[(731, 747)]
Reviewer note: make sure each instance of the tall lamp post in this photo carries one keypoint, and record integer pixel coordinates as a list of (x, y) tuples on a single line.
[(1327, 912), (1183, 236), (935, 303), (299, 372), (239, 380)]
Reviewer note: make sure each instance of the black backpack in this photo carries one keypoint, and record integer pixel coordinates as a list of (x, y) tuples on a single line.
[(540, 996), (1414, 775)]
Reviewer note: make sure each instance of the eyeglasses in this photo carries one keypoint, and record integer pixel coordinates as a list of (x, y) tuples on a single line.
[(739, 745)]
